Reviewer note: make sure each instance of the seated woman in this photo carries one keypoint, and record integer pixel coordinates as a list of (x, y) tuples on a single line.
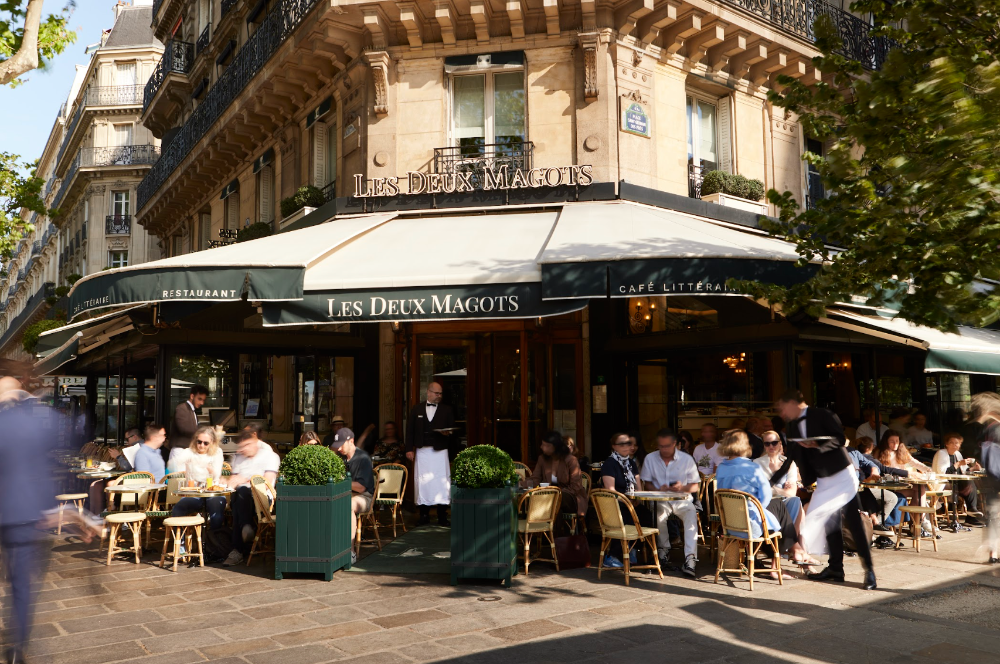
[(949, 460), (309, 438), (740, 473), (389, 448), (620, 473), (892, 453), (556, 466), (201, 460), (784, 488)]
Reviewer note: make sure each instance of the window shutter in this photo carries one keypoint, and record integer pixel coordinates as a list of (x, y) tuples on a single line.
[(331, 161), (725, 135), (265, 213), (319, 154), (205, 226), (232, 213)]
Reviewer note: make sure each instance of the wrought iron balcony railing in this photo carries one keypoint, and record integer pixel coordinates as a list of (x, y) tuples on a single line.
[(105, 95), (475, 159), (12, 291), (696, 174), (177, 58), (203, 39), (36, 247), (118, 224), (246, 64), (121, 155), (814, 189), (799, 16), (227, 6)]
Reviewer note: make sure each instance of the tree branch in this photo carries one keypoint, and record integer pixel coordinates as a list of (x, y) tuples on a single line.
[(26, 58)]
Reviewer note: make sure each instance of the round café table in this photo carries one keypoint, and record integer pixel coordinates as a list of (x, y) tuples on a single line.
[(659, 496), (133, 488), (204, 493), (950, 479)]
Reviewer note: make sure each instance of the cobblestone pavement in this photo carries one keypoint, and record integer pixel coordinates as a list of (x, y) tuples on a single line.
[(90, 613)]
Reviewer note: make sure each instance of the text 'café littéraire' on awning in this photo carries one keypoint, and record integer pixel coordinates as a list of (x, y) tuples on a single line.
[(538, 298)]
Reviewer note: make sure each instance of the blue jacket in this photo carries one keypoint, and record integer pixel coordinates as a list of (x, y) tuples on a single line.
[(30, 432), (744, 475), (150, 460)]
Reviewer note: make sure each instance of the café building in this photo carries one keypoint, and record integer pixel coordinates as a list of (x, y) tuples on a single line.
[(504, 198)]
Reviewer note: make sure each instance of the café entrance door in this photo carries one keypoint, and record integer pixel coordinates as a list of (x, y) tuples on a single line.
[(499, 383)]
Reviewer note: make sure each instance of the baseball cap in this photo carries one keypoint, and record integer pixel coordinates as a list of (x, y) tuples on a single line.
[(342, 437)]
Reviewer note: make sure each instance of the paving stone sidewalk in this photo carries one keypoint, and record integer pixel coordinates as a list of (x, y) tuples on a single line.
[(930, 607)]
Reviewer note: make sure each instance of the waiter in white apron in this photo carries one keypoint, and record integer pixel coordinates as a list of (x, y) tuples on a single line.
[(428, 439), (816, 443)]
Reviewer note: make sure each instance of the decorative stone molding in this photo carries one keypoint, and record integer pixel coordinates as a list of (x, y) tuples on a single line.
[(515, 14), (446, 16), (481, 13), (117, 243), (411, 19), (377, 25), (634, 95), (589, 42), (379, 63)]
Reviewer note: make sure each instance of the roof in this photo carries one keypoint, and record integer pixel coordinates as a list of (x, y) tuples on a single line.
[(133, 28)]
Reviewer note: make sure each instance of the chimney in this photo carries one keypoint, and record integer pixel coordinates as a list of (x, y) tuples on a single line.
[(121, 5)]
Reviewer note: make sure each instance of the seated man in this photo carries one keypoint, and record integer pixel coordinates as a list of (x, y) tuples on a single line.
[(875, 500), (949, 461), (148, 457), (359, 465), (253, 457), (673, 470), (125, 456)]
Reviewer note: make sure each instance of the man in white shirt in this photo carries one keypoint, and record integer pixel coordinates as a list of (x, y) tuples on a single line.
[(673, 470), (868, 428), (254, 457), (919, 435), (706, 455)]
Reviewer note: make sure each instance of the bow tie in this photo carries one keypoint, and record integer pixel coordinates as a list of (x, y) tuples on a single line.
[(432, 405)]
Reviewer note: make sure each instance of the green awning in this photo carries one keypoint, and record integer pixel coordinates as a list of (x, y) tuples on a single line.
[(59, 356), (970, 350)]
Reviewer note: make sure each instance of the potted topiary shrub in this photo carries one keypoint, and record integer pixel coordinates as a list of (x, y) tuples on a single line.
[(313, 533), (254, 231), (301, 203), (733, 190), (483, 515)]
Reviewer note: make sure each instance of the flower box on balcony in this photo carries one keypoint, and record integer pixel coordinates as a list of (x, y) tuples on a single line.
[(295, 216), (736, 202)]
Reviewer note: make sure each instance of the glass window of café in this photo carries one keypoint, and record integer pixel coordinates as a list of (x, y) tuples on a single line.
[(213, 372), (678, 313), (488, 104), (324, 389)]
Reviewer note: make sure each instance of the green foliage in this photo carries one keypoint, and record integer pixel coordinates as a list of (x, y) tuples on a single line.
[(911, 168), (17, 192), (483, 467), (30, 339), (62, 291), (306, 196), (311, 465), (73, 278), (720, 182), (254, 232), (54, 34)]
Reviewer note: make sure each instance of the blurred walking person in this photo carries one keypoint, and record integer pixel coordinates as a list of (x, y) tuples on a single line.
[(985, 410)]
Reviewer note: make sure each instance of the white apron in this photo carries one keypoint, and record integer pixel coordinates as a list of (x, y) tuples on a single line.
[(432, 472), (830, 495)]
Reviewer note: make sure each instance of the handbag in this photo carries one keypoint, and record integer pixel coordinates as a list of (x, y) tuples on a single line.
[(573, 552), (849, 543)]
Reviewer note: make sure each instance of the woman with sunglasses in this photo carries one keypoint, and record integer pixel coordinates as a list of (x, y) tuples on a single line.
[(783, 489), (203, 458)]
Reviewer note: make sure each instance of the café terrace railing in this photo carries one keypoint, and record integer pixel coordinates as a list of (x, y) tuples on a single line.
[(263, 43), (121, 155), (794, 16), (177, 58)]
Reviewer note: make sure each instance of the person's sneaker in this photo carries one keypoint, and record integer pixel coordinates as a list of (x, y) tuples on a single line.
[(689, 564), (973, 520), (354, 558), (925, 524), (234, 558), (613, 562), (248, 532)]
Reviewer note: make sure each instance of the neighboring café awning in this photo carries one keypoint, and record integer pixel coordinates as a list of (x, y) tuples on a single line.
[(624, 249), (265, 270), (971, 350), (79, 338), (52, 339), (56, 357)]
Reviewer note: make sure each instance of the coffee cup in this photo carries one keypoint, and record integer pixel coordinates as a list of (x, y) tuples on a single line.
[(543, 484)]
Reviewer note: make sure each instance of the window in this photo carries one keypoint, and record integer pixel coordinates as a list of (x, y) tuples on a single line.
[(814, 185), (321, 145), (125, 74), (708, 142), (176, 245), (265, 194), (488, 109), (204, 230), (204, 14), (120, 204), (232, 204), (118, 258), (123, 134)]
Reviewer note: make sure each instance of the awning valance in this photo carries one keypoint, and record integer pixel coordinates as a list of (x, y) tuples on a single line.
[(52, 339), (971, 350), (59, 356)]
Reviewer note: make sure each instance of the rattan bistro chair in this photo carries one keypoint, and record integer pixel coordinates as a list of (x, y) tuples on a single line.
[(155, 515), (263, 502), (368, 518), (390, 480), (608, 505), (522, 470), (128, 502), (736, 536), (541, 507)]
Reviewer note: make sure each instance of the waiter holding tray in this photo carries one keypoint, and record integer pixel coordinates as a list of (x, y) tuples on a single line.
[(816, 443), (428, 439)]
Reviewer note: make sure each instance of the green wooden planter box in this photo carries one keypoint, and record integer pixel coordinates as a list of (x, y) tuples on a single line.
[(483, 534), (314, 528)]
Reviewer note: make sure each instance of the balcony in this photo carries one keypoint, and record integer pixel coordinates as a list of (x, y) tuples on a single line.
[(122, 155), (94, 97), (799, 16), (279, 24), (118, 224), (696, 173), (476, 159), (177, 59), (36, 247), (203, 39)]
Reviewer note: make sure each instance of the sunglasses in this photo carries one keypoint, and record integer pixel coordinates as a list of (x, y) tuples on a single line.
[(204, 442), (772, 443)]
